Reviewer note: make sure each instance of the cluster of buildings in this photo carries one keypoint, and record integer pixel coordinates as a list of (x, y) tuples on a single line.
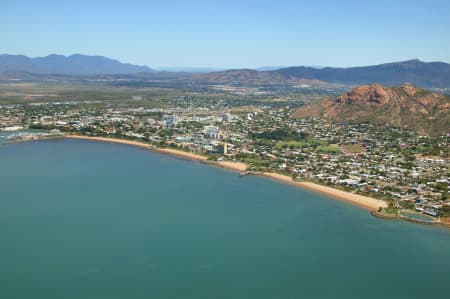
[(408, 170)]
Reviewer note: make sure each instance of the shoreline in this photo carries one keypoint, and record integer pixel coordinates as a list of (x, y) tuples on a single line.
[(411, 220), (236, 166), (365, 202)]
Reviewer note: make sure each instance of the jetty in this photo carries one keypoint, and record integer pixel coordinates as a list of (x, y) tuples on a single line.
[(244, 173)]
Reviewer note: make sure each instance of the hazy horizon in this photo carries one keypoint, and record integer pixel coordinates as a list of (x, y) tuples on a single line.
[(200, 68), (227, 35)]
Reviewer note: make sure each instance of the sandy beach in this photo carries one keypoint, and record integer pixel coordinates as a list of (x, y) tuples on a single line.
[(237, 166), (180, 154), (113, 140), (356, 199), (365, 202)]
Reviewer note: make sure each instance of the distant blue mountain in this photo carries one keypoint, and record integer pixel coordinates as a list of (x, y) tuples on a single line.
[(425, 74), (192, 70), (70, 65)]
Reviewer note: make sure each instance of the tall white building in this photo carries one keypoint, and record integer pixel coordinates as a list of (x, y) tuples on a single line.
[(212, 132)]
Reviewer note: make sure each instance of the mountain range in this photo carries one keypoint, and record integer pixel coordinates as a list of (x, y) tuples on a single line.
[(425, 74), (402, 106), (68, 65)]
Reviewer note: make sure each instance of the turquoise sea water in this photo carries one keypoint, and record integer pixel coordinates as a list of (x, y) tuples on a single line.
[(80, 219), (417, 216), (4, 136)]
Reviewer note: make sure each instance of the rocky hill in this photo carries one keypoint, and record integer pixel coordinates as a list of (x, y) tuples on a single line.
[(405, 106)]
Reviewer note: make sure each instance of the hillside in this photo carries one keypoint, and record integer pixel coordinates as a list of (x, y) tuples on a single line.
[(251, 77), (405, 106), (428, 74), (67, 65)]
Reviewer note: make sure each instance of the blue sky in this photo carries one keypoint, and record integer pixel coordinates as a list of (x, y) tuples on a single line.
[(232, 34)]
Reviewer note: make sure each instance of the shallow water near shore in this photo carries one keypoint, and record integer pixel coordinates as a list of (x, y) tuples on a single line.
[(417, 216), (82, 219)]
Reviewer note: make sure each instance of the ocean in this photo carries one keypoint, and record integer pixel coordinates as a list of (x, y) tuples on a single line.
[(82, 219)]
